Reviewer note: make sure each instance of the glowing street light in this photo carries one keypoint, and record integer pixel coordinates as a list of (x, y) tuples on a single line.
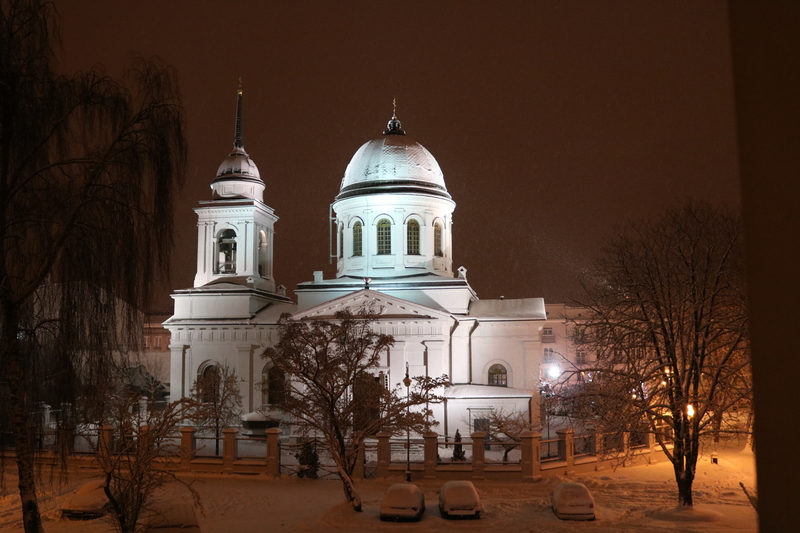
[(689, 410)]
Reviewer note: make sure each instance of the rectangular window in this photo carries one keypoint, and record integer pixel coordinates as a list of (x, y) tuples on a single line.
[(548, 355), (158, 341), (413, 237), (384, 237), (580, 357), (357, 239)]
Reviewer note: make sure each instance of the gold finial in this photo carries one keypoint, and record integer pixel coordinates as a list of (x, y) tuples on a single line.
[(394, 107)]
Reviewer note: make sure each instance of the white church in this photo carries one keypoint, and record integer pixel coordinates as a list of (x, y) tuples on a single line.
[(395, 251)]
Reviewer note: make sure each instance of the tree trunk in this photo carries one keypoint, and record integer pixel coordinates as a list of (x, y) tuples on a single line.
[(31, 519), (350, 493), (684, 476)]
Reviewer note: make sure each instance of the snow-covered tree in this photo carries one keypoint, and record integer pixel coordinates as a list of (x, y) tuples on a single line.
[(217, 400), (668, 325)]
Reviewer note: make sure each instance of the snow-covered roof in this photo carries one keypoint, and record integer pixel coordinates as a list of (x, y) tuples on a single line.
[(519, 308), (485, 391), (392, 163)]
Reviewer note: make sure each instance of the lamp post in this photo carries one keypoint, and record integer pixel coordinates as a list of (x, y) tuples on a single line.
[(407, 383)]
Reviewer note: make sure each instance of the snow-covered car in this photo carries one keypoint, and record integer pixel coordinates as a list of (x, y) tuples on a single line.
[(459, 499), (403, 501), (172, 518), (572, 501), (87, 502)]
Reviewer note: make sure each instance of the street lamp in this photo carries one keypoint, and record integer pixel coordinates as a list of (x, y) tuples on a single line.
[(407, 383)]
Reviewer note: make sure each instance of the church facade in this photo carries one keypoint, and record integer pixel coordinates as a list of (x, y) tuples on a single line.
[(395, 251)]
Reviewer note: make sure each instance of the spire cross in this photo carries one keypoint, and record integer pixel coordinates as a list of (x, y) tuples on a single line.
[(394, 108)]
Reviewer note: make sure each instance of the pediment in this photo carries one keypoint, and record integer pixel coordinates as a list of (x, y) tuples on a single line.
[(384, 305)]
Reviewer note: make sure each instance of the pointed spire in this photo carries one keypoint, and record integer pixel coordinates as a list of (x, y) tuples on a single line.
[(394, 127), (238, 141)]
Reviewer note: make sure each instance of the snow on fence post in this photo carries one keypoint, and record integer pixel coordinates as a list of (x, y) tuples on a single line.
[(566, 447), (478, 438), (273, 452), (384, 454), (651, 445), (626, 443), (431, 454), (358, 470), (531, 459), (228, 448), (188, 447)]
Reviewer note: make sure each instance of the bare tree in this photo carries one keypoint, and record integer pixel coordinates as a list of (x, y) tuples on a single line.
[(333, 391), (668, 325), (88, 170), (505, 427), (138, 458), (217, 400)]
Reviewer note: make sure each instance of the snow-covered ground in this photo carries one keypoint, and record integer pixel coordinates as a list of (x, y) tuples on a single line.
[(640, 498)]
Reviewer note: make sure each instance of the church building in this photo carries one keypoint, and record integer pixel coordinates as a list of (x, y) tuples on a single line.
[(395, 253)]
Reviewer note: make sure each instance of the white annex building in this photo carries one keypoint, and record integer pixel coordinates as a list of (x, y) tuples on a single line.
[(395, 251)]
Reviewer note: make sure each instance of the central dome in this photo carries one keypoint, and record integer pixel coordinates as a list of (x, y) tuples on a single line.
[(394, 163)]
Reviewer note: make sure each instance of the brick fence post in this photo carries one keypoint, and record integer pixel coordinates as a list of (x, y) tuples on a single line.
[(105, 442), (478, 462), (531, 455), (431, 454), (566, 447), (651, 446), (188, 447), (626, 443), (228, 448), (273, 452), (384, 455)]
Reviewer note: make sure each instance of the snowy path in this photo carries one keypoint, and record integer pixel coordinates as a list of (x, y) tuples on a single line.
[(628, 499)]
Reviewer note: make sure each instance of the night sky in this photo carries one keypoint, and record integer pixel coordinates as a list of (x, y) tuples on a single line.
[(553, 122)]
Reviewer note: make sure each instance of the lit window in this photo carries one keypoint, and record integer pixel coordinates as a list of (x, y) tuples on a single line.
[(226, 252), (437, 240), (413, 237), (357, 239), (498, 376), (384, 237)]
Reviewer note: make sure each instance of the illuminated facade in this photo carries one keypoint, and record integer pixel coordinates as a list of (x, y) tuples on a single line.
[(394, 249)]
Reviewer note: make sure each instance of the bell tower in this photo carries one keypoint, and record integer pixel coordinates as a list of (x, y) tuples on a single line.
[(235, 228)]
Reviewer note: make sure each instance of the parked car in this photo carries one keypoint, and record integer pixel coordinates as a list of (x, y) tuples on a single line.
[(572, 501), (87, 502), (403, 501), (459, 499)]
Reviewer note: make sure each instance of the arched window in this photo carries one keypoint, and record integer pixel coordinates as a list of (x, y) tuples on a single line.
[(262, 253), (413, 237), (437, 240), (384, 237), (357, 239), (208, 384), (226, 252), (498, 376), (273, 386), (341, 242)]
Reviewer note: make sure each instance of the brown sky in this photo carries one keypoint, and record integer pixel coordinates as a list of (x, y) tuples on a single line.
[(553, 122)]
